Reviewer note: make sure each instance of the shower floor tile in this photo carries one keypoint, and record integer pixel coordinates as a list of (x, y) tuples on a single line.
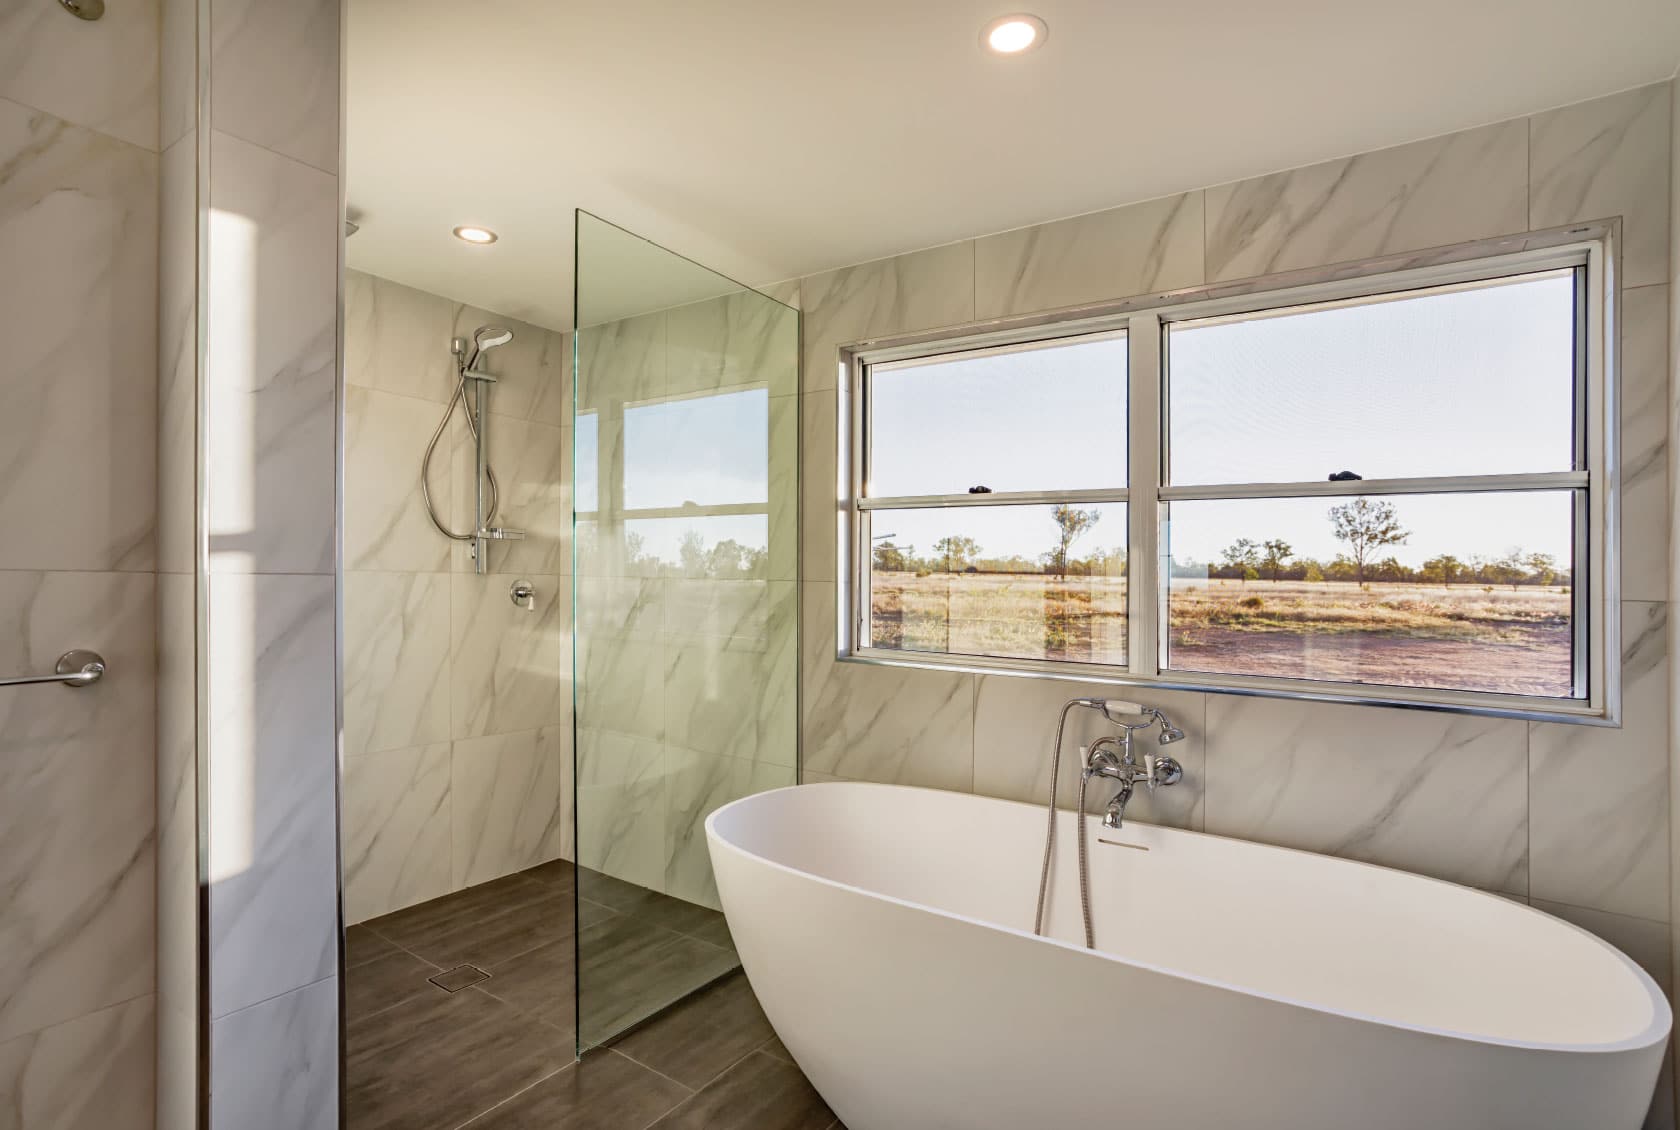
[(499, 1055)]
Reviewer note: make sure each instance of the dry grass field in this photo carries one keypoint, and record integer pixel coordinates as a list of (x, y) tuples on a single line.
[(1465, 636)]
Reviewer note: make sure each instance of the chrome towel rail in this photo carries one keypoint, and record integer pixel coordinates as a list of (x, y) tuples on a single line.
[(77, 668)]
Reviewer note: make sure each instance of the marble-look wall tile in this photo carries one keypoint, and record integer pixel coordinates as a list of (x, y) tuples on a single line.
[(180, 70), (396, 339), (530, 462), (621, 361), (274, 1065), (396, 817), (506, 670), (1644, 414), (739, 340), (921, 290), (272, 402), (77, 800), (1139, 249), (784, 488), (510, 798), (1439, 794), (821, 492), (621, 684), (385, 521), (177, 360), (273, 860), (697, 785), (533, 371), (91, 1073), (1604, 158), (894, 725), (396, 660), (730, 691), (1599, 796), (1015, 725), (177, 835), (101, 75), (1463, 186), (621, 807), (274, 76), (81, 211)]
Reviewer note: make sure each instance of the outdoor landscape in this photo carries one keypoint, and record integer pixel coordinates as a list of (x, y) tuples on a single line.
[(1497, 623)]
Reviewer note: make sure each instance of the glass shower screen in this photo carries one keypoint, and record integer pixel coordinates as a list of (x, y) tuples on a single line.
[(685, 671)]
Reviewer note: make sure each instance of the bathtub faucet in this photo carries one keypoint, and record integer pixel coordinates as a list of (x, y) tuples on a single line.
[(1112, 757)]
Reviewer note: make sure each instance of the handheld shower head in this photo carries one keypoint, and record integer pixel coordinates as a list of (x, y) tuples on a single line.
[(487, 337), (1170, 733)]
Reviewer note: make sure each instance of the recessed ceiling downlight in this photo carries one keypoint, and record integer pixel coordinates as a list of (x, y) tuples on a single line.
[(469, 233), (1013, 35)]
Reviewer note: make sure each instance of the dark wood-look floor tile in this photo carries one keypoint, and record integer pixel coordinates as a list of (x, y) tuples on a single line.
[(388, 979), (438, 1059), (610, 892), (759, 1093), (697, 1039), (560, 872), (362, 945), (717, 933), (541, 983), (632, 969), (604, 1091), (484, 924), (774, 1046)]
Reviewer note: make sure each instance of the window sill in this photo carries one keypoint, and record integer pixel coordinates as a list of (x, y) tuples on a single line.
[(1344, 694)]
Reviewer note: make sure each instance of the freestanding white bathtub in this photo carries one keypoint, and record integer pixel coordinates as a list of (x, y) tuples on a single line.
[(888, 934)]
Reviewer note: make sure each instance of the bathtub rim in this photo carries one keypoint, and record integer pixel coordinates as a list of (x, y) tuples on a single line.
[(1657, 1031)]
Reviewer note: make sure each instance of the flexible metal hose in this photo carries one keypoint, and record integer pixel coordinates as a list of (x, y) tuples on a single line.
[(1084, 865), (426, 463), (1050, 829)]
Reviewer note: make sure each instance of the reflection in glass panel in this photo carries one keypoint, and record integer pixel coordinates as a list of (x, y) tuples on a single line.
[(586, 489), (702, 450), (685, 668), (1476, 380), (1458, 591), (1035, 417), (1024, 582)]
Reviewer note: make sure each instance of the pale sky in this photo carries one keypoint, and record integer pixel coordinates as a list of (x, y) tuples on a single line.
[(1477, 381)]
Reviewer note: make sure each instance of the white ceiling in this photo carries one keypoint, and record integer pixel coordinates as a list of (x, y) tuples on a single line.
[(775, 138)]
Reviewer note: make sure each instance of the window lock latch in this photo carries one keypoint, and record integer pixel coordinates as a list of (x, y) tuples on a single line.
[(1346, 477), (979, 490)]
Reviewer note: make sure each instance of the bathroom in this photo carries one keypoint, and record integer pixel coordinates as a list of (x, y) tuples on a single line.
[(597, 532)]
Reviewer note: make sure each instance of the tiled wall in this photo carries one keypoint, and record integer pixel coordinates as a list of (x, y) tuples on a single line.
[(686, 673), (79, 144), (457, 704), (247, 548), (1574, 818)]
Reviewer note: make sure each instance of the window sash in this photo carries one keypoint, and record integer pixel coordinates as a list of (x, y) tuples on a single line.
[(1596, 620)]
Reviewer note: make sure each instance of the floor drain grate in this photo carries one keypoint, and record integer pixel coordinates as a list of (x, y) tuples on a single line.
[(461, 977)]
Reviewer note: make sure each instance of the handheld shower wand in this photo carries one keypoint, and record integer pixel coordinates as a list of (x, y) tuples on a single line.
[(488, 494)]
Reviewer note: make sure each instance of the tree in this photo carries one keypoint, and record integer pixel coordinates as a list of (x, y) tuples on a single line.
[(1508, 570), (1366, 526), (1275, 554), (1542, 567), (891, 559), (1313, 571), (1443, 570), (1241, 558), (1070, 523), (957, 551)]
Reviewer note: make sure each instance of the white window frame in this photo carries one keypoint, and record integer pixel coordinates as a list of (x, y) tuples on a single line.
[(1143, 321)]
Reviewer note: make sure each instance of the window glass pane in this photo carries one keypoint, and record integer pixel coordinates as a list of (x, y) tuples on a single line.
[(1027, 582), (1459, 591), (698, 451), (1470, 381), (1043, 417)]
